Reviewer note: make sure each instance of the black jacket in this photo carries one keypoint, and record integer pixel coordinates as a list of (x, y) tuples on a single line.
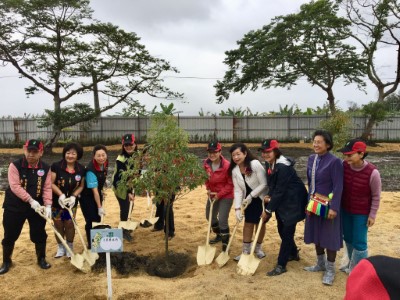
[(287, 191)]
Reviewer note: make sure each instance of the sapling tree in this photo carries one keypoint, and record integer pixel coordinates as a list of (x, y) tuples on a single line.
[(170, 170)]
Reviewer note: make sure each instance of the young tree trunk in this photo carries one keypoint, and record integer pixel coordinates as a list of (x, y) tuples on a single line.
[(371, 121), (331, 101), (167, 207)]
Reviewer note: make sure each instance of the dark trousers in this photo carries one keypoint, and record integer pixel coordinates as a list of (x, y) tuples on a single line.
[(161, 213), (90, 213), (288, 246), (123, 208), (14, 221)]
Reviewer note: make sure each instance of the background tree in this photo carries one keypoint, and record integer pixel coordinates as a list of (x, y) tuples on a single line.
[(376, 26), (68, 55), (170, 168), (310, 44)]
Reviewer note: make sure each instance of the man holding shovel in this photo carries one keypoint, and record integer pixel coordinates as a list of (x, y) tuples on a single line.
[(29, 189), (220, 189)]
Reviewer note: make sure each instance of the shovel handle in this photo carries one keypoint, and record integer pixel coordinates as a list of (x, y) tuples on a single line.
[(48, 220), (130, 209), (209, 221), (260, 223), (77, 228)]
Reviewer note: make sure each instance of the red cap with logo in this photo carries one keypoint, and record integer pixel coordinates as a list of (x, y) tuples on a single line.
[(353, 146)]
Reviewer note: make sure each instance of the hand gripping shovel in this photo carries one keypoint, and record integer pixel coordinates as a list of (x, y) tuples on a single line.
[(223, 257), (248, 263), (129, 225), (89, 256), (151, 220), (206, 253), (77, 260), (100, 225)]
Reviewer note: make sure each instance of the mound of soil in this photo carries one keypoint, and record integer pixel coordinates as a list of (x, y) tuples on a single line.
[(125, 263), (173, 266)]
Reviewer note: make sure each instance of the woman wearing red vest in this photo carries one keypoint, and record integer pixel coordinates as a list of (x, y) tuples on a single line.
[(220, 189), (360, 200)]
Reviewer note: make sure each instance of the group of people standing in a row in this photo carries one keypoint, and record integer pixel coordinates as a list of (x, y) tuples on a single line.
[(34, 185), (341, 202)]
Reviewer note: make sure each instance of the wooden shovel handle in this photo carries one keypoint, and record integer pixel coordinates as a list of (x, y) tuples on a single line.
[(77, 228), (260, 223), (209, 221)]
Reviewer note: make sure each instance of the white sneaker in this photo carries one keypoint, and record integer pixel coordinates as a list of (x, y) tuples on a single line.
[(60, 251), (259, 252), (237, 258)]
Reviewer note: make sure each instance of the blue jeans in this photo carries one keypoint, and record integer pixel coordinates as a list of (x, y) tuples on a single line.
[(355, 230)]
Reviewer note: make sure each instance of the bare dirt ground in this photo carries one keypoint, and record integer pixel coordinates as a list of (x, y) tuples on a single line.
[(26, 280)]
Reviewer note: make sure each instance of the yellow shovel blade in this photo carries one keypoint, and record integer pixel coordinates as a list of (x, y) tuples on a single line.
[(247, 264), (222, 259), (77, 261), (205, 255), (90, 257), (130, 225)]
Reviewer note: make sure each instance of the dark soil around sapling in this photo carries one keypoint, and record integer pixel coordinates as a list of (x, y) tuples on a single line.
[(388, 163), (175, 265), (128, 263), (125, 263)]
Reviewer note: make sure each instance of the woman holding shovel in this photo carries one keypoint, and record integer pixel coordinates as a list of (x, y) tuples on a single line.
[(287, 197), (123, 195), (219, 189), (91, 200), (67, 177), (250, 188)]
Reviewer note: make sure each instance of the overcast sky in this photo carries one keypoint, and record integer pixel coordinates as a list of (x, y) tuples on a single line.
[(193, 36)]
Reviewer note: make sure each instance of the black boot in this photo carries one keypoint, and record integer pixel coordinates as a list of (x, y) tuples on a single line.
[(225, 239), (126, 235), (216, 230), (41, 255), (7, 253)]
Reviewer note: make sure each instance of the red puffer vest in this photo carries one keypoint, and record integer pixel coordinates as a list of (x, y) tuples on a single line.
[(356, 190)]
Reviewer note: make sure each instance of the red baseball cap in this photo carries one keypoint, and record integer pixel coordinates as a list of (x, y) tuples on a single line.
[(376, 277), (34, 144), (128, 139), (214, 146), (353, 146), (269, 145)]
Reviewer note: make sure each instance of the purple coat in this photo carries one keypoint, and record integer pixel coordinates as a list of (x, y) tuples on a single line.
[(328, 179)]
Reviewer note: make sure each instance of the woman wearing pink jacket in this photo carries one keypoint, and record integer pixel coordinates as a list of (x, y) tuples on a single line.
[(219, 189)]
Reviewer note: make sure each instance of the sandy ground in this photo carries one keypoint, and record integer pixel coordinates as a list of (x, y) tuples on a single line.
[(26, 280)]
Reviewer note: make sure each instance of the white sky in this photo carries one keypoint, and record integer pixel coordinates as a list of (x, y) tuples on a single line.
[(193, 36)]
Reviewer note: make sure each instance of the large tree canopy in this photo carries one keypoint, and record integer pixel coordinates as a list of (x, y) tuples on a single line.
[(376, 26), (65, 53), (310, 44)]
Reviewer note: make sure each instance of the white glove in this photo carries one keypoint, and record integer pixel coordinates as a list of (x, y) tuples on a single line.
[(47, 211), (239, 215), (246, 202), (101, 212), (34, 204), (71, 202), (61, 200)]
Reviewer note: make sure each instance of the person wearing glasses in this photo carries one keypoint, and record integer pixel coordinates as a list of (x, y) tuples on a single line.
[(325, 184)]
